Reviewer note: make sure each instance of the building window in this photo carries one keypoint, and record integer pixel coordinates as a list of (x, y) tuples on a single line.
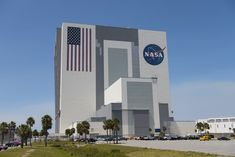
[(217, 126), (232, 120), (224, 126), (225, 120)]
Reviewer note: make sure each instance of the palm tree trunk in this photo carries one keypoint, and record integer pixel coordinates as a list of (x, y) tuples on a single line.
[(107, 131), (9, 136), (26, 141), (22, 142), (13, 137), (2, 138), (113, 131), (45, 140), (116, 137), (30, 141)]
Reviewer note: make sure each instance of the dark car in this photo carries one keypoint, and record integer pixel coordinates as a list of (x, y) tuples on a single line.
[(193, 137), (16, 143), (3, 147), (91, 140), (10, 144), (122, 138), (109, 139), (174, 137), (223, 139)]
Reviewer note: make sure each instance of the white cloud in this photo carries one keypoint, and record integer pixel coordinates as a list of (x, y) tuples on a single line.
[(20, 114), (203, 99)]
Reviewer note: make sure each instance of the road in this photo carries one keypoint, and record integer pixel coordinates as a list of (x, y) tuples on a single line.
[(213, 146)]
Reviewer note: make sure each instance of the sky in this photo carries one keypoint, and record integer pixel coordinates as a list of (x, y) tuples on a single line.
[(200, 41)]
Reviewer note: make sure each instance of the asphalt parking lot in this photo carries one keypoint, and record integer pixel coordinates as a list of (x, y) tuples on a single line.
[(213, 146)]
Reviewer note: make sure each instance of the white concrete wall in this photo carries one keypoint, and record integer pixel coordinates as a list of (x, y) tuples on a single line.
[(78, 98), (160, 71), (95, 128), (181, 128), (113, 94)]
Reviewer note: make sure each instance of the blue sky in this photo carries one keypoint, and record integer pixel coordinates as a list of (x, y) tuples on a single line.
[(201, 47)]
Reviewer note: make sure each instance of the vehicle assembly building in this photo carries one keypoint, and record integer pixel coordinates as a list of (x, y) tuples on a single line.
[(104, 72)]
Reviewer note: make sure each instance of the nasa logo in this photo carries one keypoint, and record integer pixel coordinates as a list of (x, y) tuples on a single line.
[(153, 54)]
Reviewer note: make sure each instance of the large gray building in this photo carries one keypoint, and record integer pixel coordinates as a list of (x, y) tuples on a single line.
[(103, 71)]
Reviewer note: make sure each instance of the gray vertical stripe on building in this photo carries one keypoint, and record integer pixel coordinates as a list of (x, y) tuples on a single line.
[(109, 33), (57, 63), (164, 113), (117, 64), (135, 61), (141, 118), (139, 95)]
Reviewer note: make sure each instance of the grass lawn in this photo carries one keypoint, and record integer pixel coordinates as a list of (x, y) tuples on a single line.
[(16, 152), (69, 149), (144, 152), (41, 151)]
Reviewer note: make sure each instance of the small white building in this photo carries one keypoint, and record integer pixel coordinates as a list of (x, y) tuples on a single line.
[(223, 125)]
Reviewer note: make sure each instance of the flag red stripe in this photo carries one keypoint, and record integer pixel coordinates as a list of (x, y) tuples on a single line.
[(82, 49), (78, 47), (67, 57), (90, 50), (71, 63), (75, 57), (86, 49)]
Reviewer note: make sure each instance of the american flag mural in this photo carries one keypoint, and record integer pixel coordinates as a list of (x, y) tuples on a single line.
[(79, 50)]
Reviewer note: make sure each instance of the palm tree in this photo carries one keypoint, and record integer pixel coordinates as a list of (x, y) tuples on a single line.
[(46, 125), (110, 126), (30, 122), (200, 127), (86, 127), (150, 131), (3, 130), (41, 133), (72, 131), (12, 127), (35, 134), (105, 127), (80, 129), (116, 128), (68, 132), (206, 126), (22, 131)]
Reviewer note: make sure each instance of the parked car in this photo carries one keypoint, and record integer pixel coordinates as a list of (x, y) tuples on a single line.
[(122, 138), (223, 139), (91, 140), (148, 138), (193, 137), (174, 137), (100, 138), (16, 143), (204, 138), (109, 139), (10, 144), (3, 147)]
